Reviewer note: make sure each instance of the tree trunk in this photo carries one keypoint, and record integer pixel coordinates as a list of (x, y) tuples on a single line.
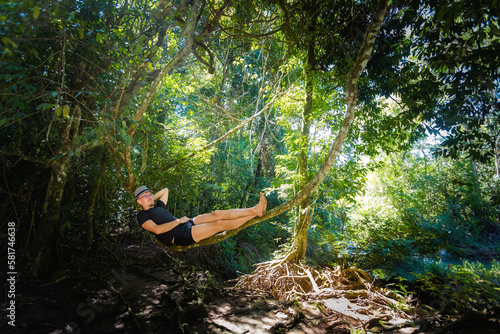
[(122, 158), (41, 253), (89, 212), (299, 246)]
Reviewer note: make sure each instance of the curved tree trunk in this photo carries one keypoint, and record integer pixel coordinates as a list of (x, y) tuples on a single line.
[(193, 10), (41, 250), (359, 65), (123, 157)]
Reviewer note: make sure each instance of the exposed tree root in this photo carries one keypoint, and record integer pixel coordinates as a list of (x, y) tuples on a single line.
[(350, 292), (287, 280)]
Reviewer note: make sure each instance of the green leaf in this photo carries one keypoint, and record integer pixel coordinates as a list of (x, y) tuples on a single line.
[(141, 38), (36, 12), (494, 29), (138, 48), (7, 40), (44, 106), (65, 226), (128, 140), (65, 111), (58, 111)]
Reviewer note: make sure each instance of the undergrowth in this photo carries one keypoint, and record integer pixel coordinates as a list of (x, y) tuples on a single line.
[(458, 288)]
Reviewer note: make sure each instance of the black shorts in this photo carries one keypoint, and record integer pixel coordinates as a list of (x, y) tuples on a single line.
[(183, 236)]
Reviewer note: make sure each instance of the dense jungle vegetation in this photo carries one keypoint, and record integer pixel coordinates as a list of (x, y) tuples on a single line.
[(373, 128)]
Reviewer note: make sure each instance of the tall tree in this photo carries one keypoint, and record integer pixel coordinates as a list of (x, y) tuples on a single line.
[(443, 71), (82, 73), (352, 75)]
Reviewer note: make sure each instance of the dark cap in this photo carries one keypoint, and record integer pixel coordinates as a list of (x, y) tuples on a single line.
[(139, 191)]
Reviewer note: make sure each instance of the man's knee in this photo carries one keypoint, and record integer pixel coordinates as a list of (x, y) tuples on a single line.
[(217, 215), (221, 225)]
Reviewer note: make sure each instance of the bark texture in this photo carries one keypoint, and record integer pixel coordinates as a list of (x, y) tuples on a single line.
[(299, 246)]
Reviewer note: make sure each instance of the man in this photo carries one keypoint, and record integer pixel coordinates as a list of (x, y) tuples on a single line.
[(185, 231)]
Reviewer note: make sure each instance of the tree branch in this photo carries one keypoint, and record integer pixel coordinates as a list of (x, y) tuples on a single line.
[(183, 53), (239, 126), (364, 54)]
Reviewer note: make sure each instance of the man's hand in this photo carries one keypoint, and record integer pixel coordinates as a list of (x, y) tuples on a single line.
[(183, 219), (151, 226), (162, 195)]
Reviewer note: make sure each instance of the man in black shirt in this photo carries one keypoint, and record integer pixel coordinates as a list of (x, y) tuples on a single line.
[(185, 231)]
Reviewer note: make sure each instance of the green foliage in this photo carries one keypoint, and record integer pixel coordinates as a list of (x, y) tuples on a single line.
[(103, 57), (441, 66), (470, 286), (415, 207), (333, 206), (100, 58)]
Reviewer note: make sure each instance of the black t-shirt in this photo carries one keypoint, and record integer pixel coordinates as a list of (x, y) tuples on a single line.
[(160, 215)]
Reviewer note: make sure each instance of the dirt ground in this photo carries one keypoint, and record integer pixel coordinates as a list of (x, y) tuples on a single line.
[(144, 290)]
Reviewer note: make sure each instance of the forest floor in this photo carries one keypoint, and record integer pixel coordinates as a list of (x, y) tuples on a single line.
[(142, 289)]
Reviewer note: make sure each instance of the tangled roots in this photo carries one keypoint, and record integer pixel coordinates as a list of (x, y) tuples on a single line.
[(350, 292), (288, 281)]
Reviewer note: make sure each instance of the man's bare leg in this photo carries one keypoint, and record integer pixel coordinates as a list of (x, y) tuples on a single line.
[(206, 230), (257, 210)]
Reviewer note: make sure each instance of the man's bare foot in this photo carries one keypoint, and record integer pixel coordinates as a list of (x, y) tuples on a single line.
[(261, 207)]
